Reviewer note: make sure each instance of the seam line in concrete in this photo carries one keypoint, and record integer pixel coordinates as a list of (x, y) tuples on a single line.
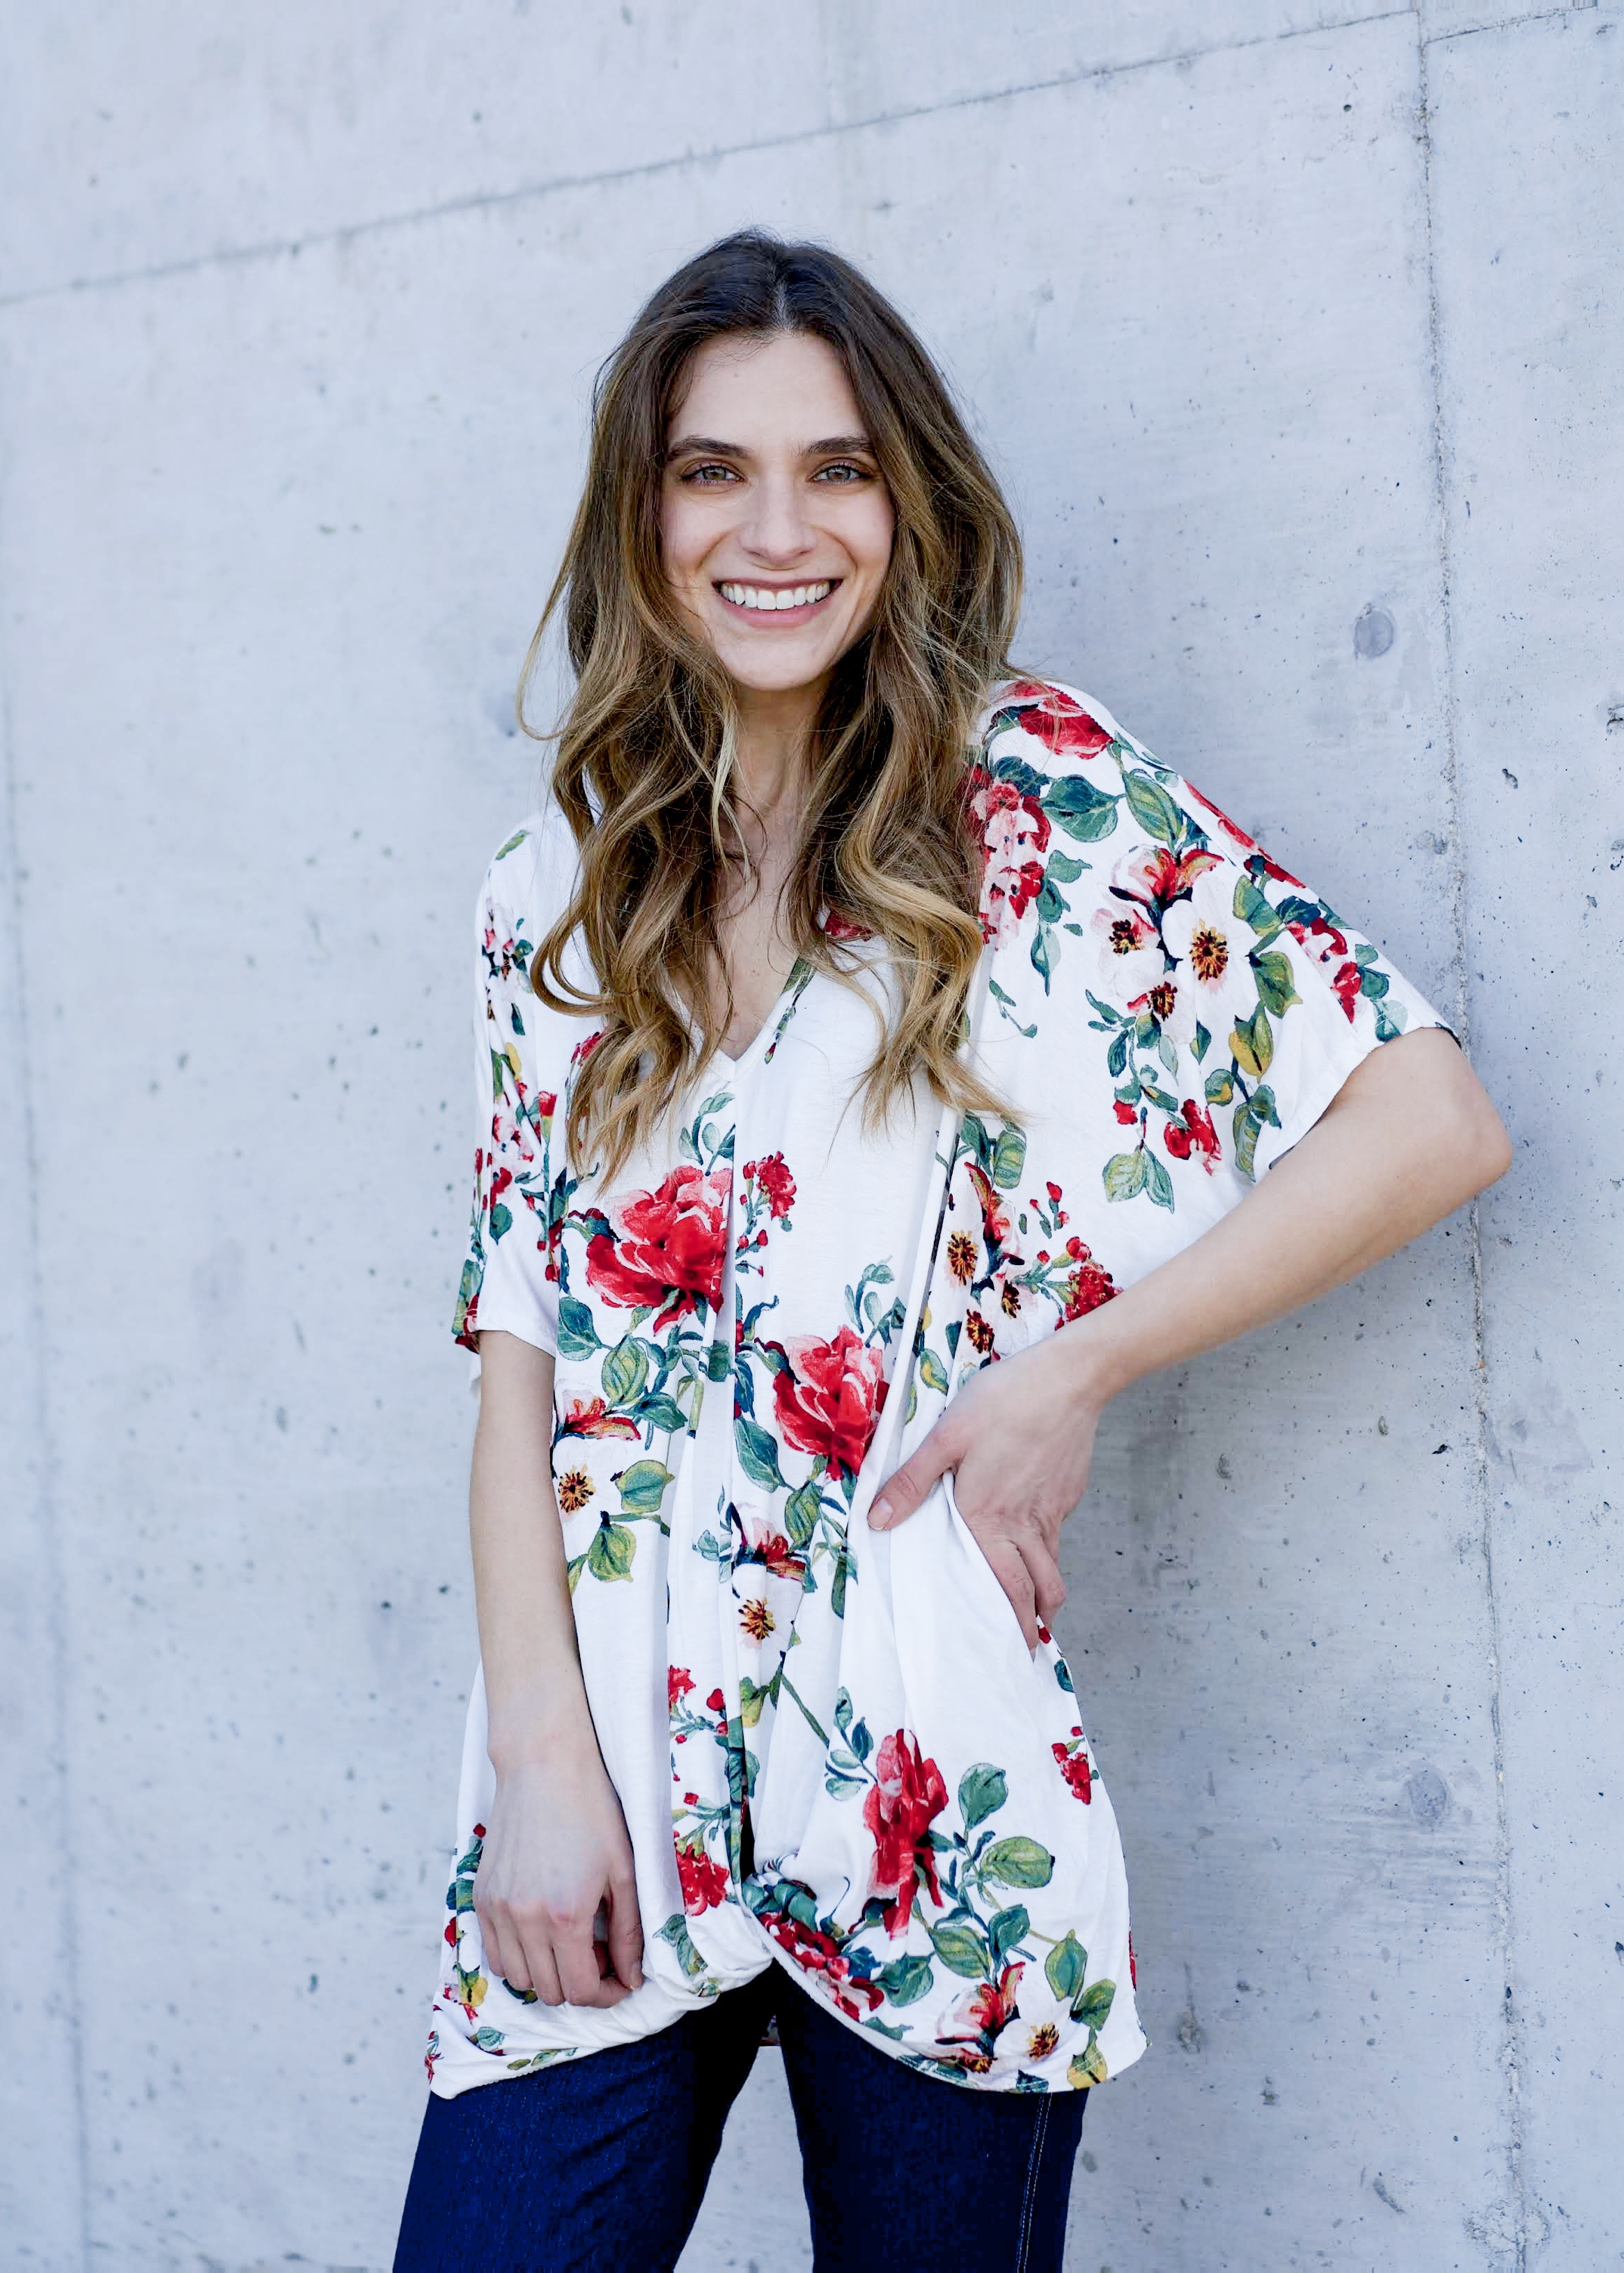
[(476, 202), (1511, 2064), (56, 1767)]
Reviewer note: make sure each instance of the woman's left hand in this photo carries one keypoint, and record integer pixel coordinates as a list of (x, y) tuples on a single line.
[(1019, 1439)]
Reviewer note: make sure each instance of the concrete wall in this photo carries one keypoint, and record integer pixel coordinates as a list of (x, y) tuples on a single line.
[(1274, 312)]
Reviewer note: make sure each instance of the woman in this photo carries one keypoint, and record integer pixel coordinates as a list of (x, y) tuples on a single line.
[(880, 1058)]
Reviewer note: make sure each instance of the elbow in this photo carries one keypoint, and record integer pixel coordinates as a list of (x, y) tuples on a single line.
[(1479, 1145)]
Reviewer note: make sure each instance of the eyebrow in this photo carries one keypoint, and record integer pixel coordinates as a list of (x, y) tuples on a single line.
[(833, 446)]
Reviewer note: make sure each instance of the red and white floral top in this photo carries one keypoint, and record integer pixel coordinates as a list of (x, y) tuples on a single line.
[(833, 1748)]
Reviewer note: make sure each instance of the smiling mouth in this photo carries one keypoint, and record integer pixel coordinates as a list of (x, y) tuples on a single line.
[(778, 599)]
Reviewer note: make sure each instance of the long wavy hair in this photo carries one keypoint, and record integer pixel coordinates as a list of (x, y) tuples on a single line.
[(644, 771)]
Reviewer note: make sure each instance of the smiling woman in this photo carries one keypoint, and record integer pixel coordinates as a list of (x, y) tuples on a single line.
[(882, 1060)]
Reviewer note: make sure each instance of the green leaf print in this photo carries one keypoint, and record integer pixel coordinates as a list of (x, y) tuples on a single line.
[(906, 1979), (1251, 1119), (801, 1513), (512, 844), (1089, 2066), (1158, 1183), (1018, 1862), (932, 1372), (1086, 813), (1220, 1085), (758, 1454), (1063, 869), (626, 1369), (577, 1335), (1007, 1928), (675, 1931), (982, 1791), (961, 1949), (1152, 807), (1254, 908), (1253, 1042), (1274, 988), (610, 1553), (1095, 2003), (642, 1487), (1125, 1175), (1065, 1966), (501, 1220), (1008, 1158)]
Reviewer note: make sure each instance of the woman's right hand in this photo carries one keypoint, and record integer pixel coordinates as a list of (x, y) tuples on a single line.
[(557, 1851)]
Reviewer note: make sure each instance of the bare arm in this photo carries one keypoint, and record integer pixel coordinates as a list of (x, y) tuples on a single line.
[(1409, 1137), (556, 1846)]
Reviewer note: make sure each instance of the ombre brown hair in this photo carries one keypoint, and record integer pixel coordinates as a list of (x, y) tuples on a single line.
[(644, 769)]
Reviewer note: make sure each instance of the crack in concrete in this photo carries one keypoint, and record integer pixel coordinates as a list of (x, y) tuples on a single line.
[(1510, 2054), (481, 201), (1507, 23), (55, 1766)]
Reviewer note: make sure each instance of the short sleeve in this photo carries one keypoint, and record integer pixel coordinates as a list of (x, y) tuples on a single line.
[(1288, 997), (509, 1278)]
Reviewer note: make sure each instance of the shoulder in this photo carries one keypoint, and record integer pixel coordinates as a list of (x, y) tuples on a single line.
[(1085, 763), (532, 873)]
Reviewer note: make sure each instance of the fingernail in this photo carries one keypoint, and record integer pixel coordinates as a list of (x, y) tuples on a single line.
[(879, 1514)]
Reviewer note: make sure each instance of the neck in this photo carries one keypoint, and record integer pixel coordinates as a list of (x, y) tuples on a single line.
[(771, 754)]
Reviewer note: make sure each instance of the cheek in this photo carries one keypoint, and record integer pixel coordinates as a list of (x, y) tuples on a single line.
[(683, 540)]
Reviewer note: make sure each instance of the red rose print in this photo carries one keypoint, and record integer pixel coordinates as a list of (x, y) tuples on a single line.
[(1091, 1283), (1074, 1767), (1347, 985), (1133, 1965), (705, 1882), (1128, 1114), (678, 1682), (906, 1799), (774, 1181), (1014, 831), (987, 2010), (715, 1702), (828, 1398), (666, 1248), (1064, 726), (1194, 1133), (820, 1953), (839, 927)]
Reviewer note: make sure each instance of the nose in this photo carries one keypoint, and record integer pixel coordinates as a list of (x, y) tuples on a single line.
[(776, 531)]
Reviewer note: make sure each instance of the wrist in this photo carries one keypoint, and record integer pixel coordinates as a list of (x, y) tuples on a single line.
[(545, 1735), (1096, 1360)]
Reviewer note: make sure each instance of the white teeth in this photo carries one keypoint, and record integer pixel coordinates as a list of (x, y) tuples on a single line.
[(764, 599)]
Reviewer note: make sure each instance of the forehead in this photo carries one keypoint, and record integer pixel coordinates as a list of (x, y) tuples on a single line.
[(787, 388)]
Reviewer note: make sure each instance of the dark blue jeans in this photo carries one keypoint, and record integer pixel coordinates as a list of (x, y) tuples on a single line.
[(598, 2165)]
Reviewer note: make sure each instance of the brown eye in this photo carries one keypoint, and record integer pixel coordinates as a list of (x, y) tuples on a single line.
[(708, 477)]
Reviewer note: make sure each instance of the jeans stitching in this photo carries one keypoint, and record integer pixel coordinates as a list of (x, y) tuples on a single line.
[(1029, 2200)]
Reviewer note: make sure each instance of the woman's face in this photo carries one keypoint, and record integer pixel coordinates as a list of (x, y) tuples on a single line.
[(775, 526)]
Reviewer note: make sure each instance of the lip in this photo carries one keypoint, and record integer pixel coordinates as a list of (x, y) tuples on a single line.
[(774, 619)]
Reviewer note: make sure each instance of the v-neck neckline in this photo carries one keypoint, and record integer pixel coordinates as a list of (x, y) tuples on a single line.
[(801, 974)]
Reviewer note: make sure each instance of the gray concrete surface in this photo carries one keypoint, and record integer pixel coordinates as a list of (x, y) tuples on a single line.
[(1273, 315)]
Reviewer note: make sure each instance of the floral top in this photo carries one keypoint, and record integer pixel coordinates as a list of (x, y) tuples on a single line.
[(832, 1746)]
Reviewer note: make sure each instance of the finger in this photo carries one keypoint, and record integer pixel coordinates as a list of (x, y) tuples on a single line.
[(899, 1497), (1048, 1585), (574, 1952), (534, 1958), (493, 1944), (1009, 1568), (625, 1933)]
